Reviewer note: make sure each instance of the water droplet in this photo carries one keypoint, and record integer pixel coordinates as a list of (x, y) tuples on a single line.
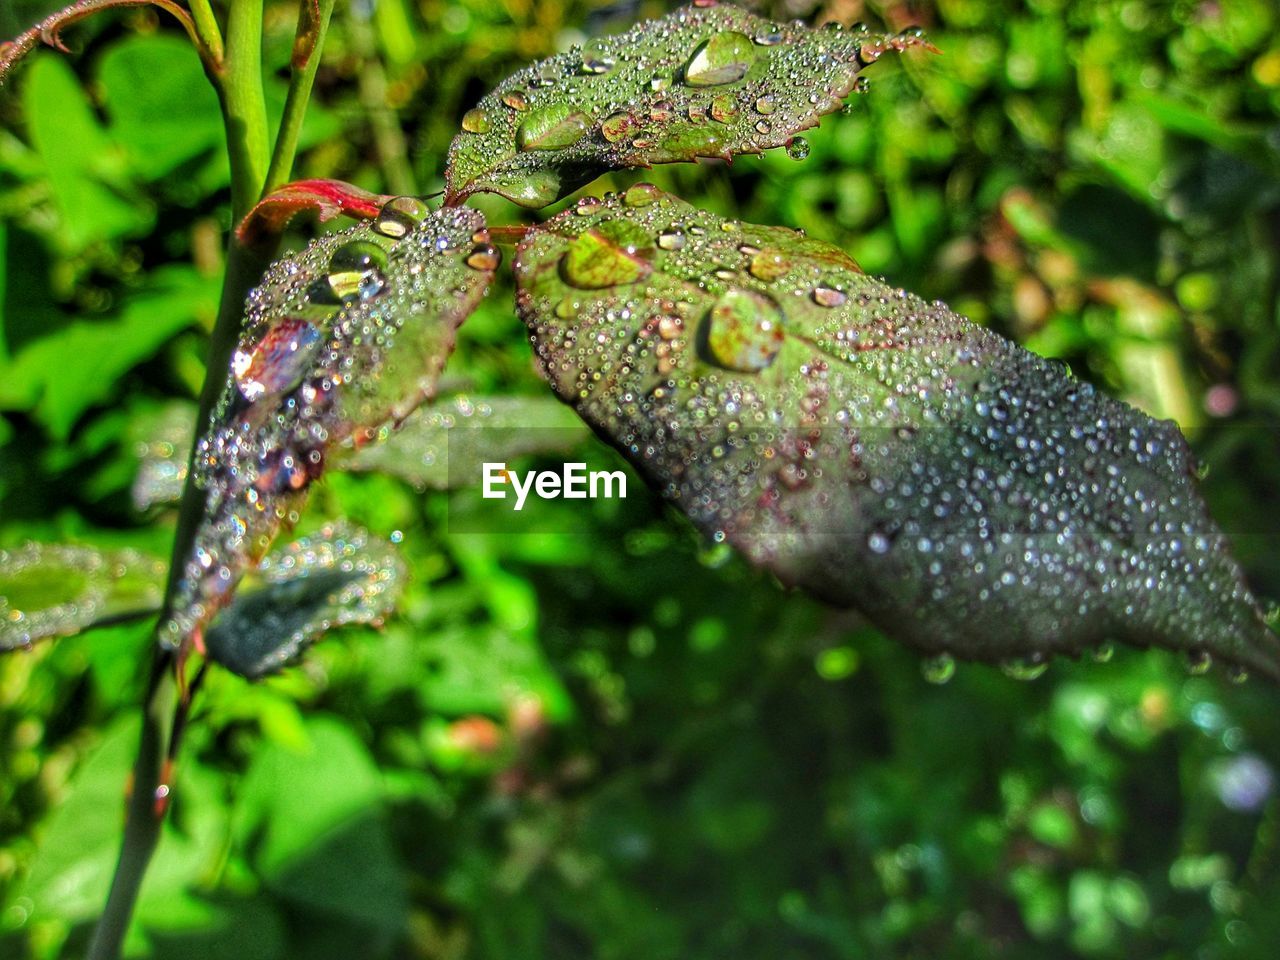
[(476, 120), (595, 261), (939, 669), (617, 126), (515, 99), (548, 74), (861, 85), (724, 108), (669, 326), (1025, 668), (1103, 653), (484, 256), (1199, 662), (825, 296), (552, 127), (743, 331), (641, 195), (671, 240), (658, 84), (763, 126), (766, 105), (1237, 674), (798, 148), (278, 362), (399, 216), (596, 58), (770, 37), (358, 255), (725, 58), (768, 265)]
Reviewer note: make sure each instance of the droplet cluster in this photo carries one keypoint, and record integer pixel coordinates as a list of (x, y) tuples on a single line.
[(341, 341), (704, 81), (878, 450), (339, 576)]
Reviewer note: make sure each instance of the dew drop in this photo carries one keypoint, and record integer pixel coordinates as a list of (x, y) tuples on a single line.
[(358, 256), (617, 126), (768, 265), (763, 126), (515, 99), (552, 127), (484, 256), (658, 84), (766, 105), (724, 108), (1025, 668), (798, 148), (476, 120), (743, 331), (825, 296), (861, 85), (1199, 662), (399, 216), (278, 362), (596, 59), (725, 58), (671, 240), (641, 195), (939, 669), (595, 261), (1103, 653)]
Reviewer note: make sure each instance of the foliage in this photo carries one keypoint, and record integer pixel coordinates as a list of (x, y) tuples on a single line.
[(606, 739)]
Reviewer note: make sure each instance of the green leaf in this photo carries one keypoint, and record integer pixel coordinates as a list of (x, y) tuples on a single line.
[(161, 125), (443, 446), (51, 590), (342, 341), (882, 452), (81, 162), (338, 577), (704, 81), (315, 830), (60, 376)]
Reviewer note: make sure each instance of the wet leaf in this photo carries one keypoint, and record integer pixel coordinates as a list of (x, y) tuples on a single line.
[(704, 81), (343, 340), (444, 446), (882, 452), (340, 576), (52, 590)]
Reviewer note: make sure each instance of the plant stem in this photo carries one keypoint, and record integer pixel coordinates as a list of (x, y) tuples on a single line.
[(145, 812), (244, 106), (207, 29), (307, 46)]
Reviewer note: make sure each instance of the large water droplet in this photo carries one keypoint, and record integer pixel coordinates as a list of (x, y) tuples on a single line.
[(595, 261), (725, 58), (743, 331), (552, 127), (618, 125), (724, 108), (278, 362), (596, 58), (399, 216), (939, 669), (825, 296), (476, 120), (358, 255), (484, 256), (671, 240), (798, 148), (766, 105), (768, 265), (515, 99)]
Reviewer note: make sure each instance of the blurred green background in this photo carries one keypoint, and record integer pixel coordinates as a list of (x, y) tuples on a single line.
[(613, 741)]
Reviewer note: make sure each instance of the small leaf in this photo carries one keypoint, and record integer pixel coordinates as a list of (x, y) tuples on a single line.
[(328, 198), (882, 452), (51, 590), (338, 577), (342, 341), (445, 445), (705, 81)]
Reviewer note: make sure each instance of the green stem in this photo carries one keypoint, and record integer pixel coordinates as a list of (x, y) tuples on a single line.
[(207, 29), (307, 46), (244, 106), (145, 812)]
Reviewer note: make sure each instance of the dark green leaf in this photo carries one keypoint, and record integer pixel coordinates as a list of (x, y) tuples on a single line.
[(882, 452), (705, 81), (343, 340), (51, 590), (338, 577)]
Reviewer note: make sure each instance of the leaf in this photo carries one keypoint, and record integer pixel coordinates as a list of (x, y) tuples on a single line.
[(162, 442), (51, 590), (443, 446), (704, 81), (67, 372), (338, 577), (882, 452), (328, 198), (343, 340)]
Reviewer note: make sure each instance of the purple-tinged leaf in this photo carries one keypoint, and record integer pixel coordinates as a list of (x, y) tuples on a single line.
[(879, 451), (704, 81), (339, 576), (326, 198), (342, 341)]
